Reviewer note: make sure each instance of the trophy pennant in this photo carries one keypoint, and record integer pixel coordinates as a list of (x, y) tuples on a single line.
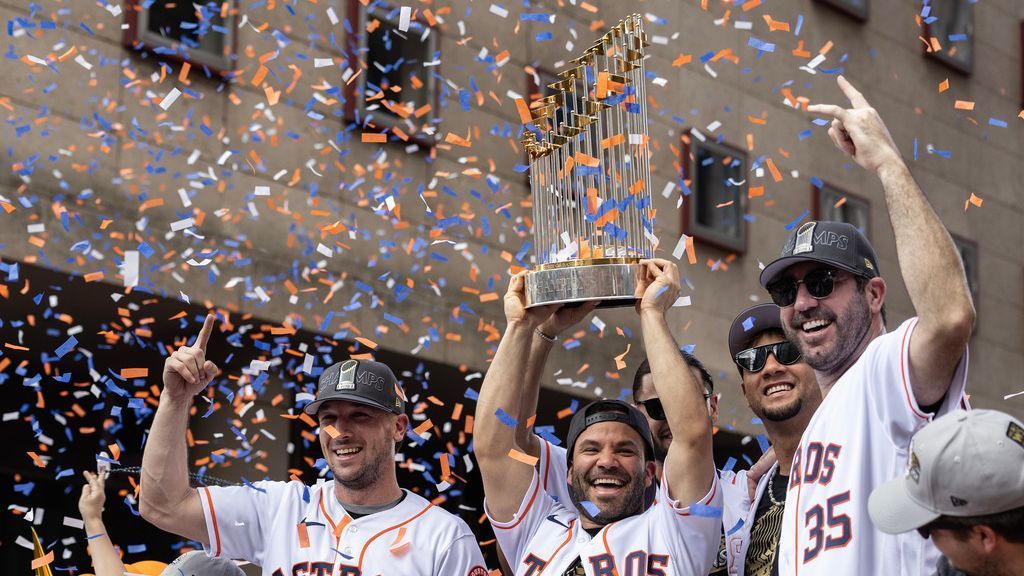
[(40, 559)]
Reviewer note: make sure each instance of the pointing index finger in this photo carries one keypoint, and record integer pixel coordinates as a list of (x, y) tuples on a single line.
[(204, 334), (856, 98)]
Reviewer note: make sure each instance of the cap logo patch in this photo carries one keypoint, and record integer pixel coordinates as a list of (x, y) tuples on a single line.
[(914, 470), (829, 238), (1016, 433), (346, 380), (957, 501), (869, 265), (805, 238), (367, 378)]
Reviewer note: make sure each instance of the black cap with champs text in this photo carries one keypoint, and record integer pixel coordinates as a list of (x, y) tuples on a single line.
[(360, 381), (837, 244), (609, 411)]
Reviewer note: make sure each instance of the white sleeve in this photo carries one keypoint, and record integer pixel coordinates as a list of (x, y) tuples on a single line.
[(694, 532), (463, 558), (234, 518), (514, 536), (887, 383), (554, 466)]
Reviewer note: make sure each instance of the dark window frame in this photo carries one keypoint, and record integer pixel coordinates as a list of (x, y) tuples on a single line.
[(138, 39), (816, 202), (355, 99), (950, 62), (702, 233), (861, 14)]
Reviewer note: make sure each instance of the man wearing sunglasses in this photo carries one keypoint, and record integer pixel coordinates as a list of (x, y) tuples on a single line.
[(878, 388), (781, 390), (963, 488)]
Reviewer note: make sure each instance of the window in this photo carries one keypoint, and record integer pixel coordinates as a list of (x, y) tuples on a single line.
[(856, 8), (716, 172), (398, 89), (949, 30), (831, 203), (969, 256), (198, 32)]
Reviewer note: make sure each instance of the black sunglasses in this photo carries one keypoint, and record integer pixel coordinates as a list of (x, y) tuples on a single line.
[(820, 283), (926, 530), (654, 408), (753, 359)]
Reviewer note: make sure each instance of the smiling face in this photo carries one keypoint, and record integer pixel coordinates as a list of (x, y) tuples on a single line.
[(831, 330), (365, 442), (608, 469), (779, 392)]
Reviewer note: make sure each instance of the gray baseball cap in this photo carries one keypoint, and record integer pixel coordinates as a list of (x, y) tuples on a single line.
[(834, 243), (198, 563), (750, 323), (362, 381), (962, 464)]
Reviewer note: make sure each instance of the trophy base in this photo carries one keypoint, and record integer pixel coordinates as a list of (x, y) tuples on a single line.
[(613, 284)]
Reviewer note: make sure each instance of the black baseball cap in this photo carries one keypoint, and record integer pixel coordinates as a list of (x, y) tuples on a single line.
[(609, 411), (837, 244), (750, 323), (361, 381)]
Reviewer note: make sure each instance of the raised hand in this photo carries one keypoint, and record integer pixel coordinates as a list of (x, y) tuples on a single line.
[(187, 371), (515, 304), (859, 130), (658, 286), (566, 317), (90, 504)]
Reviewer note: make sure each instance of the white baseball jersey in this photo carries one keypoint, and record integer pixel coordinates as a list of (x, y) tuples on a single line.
[(291, 529), (545, 537), (858, 438), (738, 514), (553, 467)]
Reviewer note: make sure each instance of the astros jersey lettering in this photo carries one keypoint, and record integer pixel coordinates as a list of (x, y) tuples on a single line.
[(295, 530), (859, 438), (545, 537)]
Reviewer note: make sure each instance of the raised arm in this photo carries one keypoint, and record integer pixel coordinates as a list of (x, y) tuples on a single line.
[(165, 498), (105, 561), (506, 479), (689, 466), (540, 347), (929, 261)]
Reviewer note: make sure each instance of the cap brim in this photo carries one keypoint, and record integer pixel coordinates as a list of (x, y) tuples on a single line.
[(313, 406), (762, 317), (776, 267), (893, 511)]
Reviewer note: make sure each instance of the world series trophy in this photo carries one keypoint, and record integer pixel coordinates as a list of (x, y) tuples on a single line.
[(590, 175)]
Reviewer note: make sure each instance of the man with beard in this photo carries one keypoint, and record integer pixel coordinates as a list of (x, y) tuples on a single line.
[(964, 489), (780, 389), (361, 523), (878, 388), (605, 529)]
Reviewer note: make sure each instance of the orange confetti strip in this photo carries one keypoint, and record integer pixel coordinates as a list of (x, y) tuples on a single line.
[(129, 373), (94, 276), (42, 560), (367, 342), (682, 59), (775, 171), (750, 5), (427, 425), (612, 141), (691, 254), (489, 297), (522, 457), (636, 187), (963, 105), (452, 138), (974, 200), (374, 137), (331, 431), (944, 85), (524, 111), (35, 458), (755, 191), (446, 470), (303, 535)]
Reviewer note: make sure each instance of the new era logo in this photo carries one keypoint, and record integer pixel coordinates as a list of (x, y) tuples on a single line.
[(957, 501)]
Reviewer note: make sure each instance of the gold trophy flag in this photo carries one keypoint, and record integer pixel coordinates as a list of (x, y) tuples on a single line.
[(40, 559)]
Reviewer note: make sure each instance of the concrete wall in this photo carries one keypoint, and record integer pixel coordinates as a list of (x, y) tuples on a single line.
[(101, 130)]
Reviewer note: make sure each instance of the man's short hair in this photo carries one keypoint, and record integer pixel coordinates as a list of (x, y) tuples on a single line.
[(1008, 524), (862, 282), (645, 368)]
